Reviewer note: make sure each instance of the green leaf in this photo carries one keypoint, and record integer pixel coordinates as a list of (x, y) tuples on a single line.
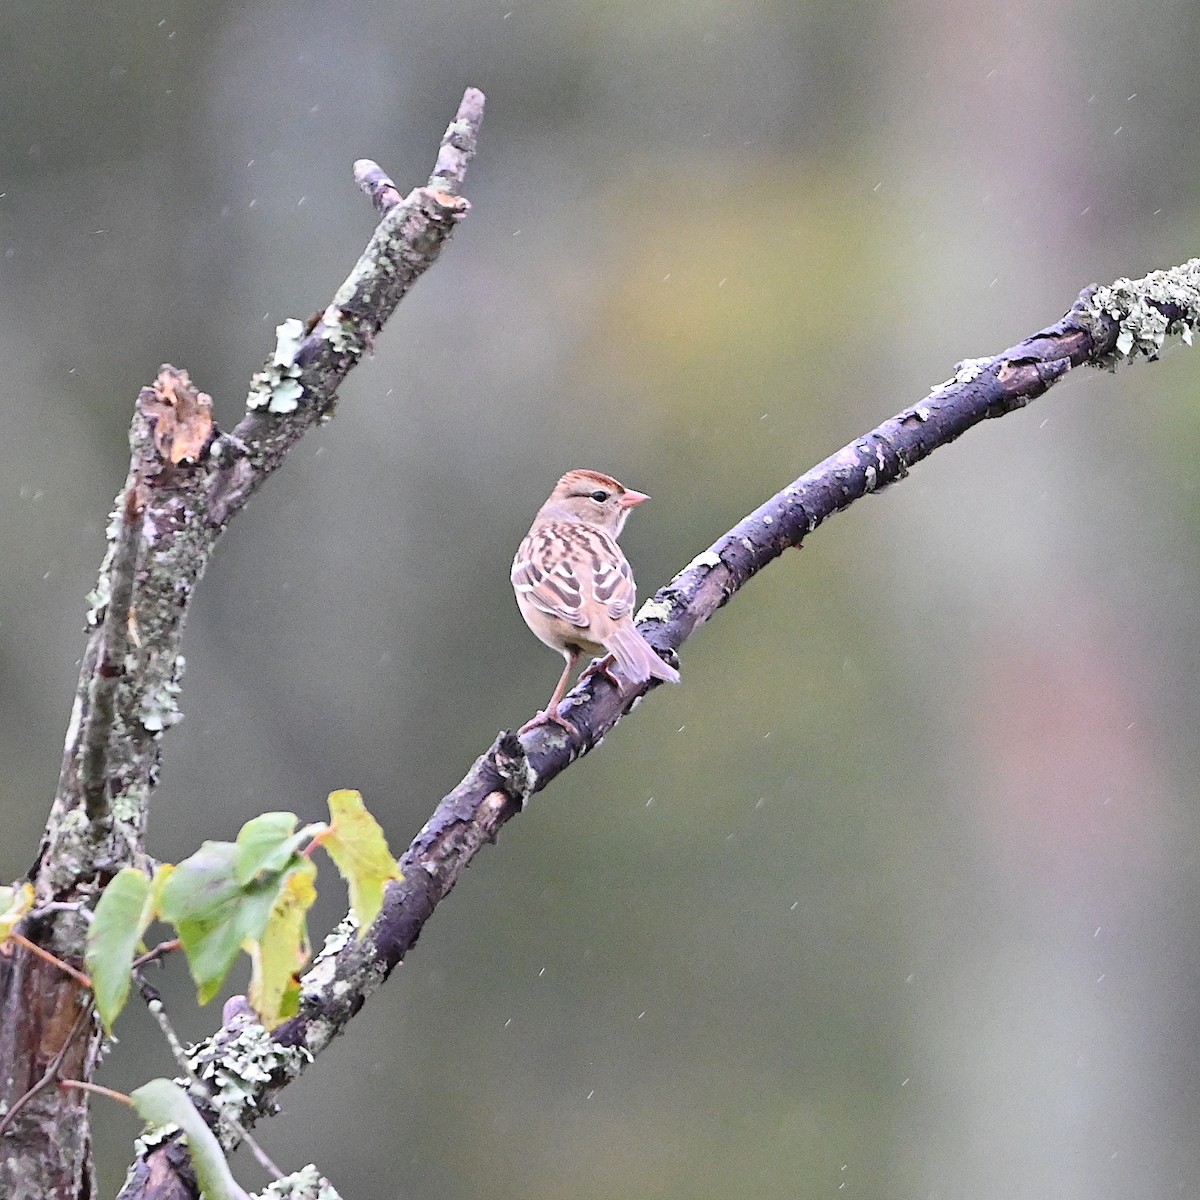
[(161, 1102), (360, 852), (283, 950), (266, 845), (214, 913), (15, 902), (114, 937)]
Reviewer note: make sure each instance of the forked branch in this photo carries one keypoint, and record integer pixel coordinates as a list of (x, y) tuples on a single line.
[(186, 481)]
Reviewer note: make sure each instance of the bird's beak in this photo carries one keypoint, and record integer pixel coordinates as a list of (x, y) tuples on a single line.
[(632, 499)]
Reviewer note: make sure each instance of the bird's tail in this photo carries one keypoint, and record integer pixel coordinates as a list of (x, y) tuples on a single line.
[(636, 657)]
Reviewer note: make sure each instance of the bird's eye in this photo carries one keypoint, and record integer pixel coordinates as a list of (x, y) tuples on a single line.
[(599, 497)]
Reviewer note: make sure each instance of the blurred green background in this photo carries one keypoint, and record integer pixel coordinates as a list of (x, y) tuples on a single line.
[(897, 894)]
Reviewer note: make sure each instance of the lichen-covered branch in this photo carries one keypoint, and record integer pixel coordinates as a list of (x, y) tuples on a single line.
[(186, 481), (301, 379), (1125, 320)]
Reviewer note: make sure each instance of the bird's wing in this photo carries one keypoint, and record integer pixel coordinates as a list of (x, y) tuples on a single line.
[(571, 571), (612, 576)]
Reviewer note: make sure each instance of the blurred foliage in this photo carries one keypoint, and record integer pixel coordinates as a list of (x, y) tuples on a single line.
[(895, 894)]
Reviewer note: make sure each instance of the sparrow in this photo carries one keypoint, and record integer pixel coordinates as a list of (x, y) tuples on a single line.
[(575, 587)]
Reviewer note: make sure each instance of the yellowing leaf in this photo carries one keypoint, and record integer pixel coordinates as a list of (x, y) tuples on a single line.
[(360, 852), (15, 902), (162, 873), (281, 953)]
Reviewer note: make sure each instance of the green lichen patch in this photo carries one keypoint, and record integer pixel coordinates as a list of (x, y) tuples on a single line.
[(306, 1184), (245, 1066), (1149, 311)]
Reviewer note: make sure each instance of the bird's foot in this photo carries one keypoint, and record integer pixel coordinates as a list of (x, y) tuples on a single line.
[(603, 666), (549, 717)]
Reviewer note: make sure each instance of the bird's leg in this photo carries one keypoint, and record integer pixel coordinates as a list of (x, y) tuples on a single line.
[(550, 712), (603, 666)]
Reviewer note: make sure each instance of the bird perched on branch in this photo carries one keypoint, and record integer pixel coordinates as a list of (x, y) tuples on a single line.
[(575, 588)]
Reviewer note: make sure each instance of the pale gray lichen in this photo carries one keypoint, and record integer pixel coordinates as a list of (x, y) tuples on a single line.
[(276, 387), (342, 934), (341, 332), (289, 337), (101, 594), (306, 1184), (272, 390), (319, 1033), (238, 1076), (708, 558), (321, 974), (654, 610), (348, 288), (152, 1138), (127, 806), (159, 709), (75, 826), (968, 369), (1136, 305), (98, 598), (380, 261), (518, 774), (964, 372)]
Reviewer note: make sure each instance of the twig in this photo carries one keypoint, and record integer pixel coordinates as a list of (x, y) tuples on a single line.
[(158, 1011), (186, 482), (370, 176), (153, 1001), (300, 381), (457, 149), (459, 144), (53, 959), (82, 1085), (156, 952)]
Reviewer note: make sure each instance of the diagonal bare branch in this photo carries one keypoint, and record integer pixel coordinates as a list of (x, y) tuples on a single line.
[(1105, 326)]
